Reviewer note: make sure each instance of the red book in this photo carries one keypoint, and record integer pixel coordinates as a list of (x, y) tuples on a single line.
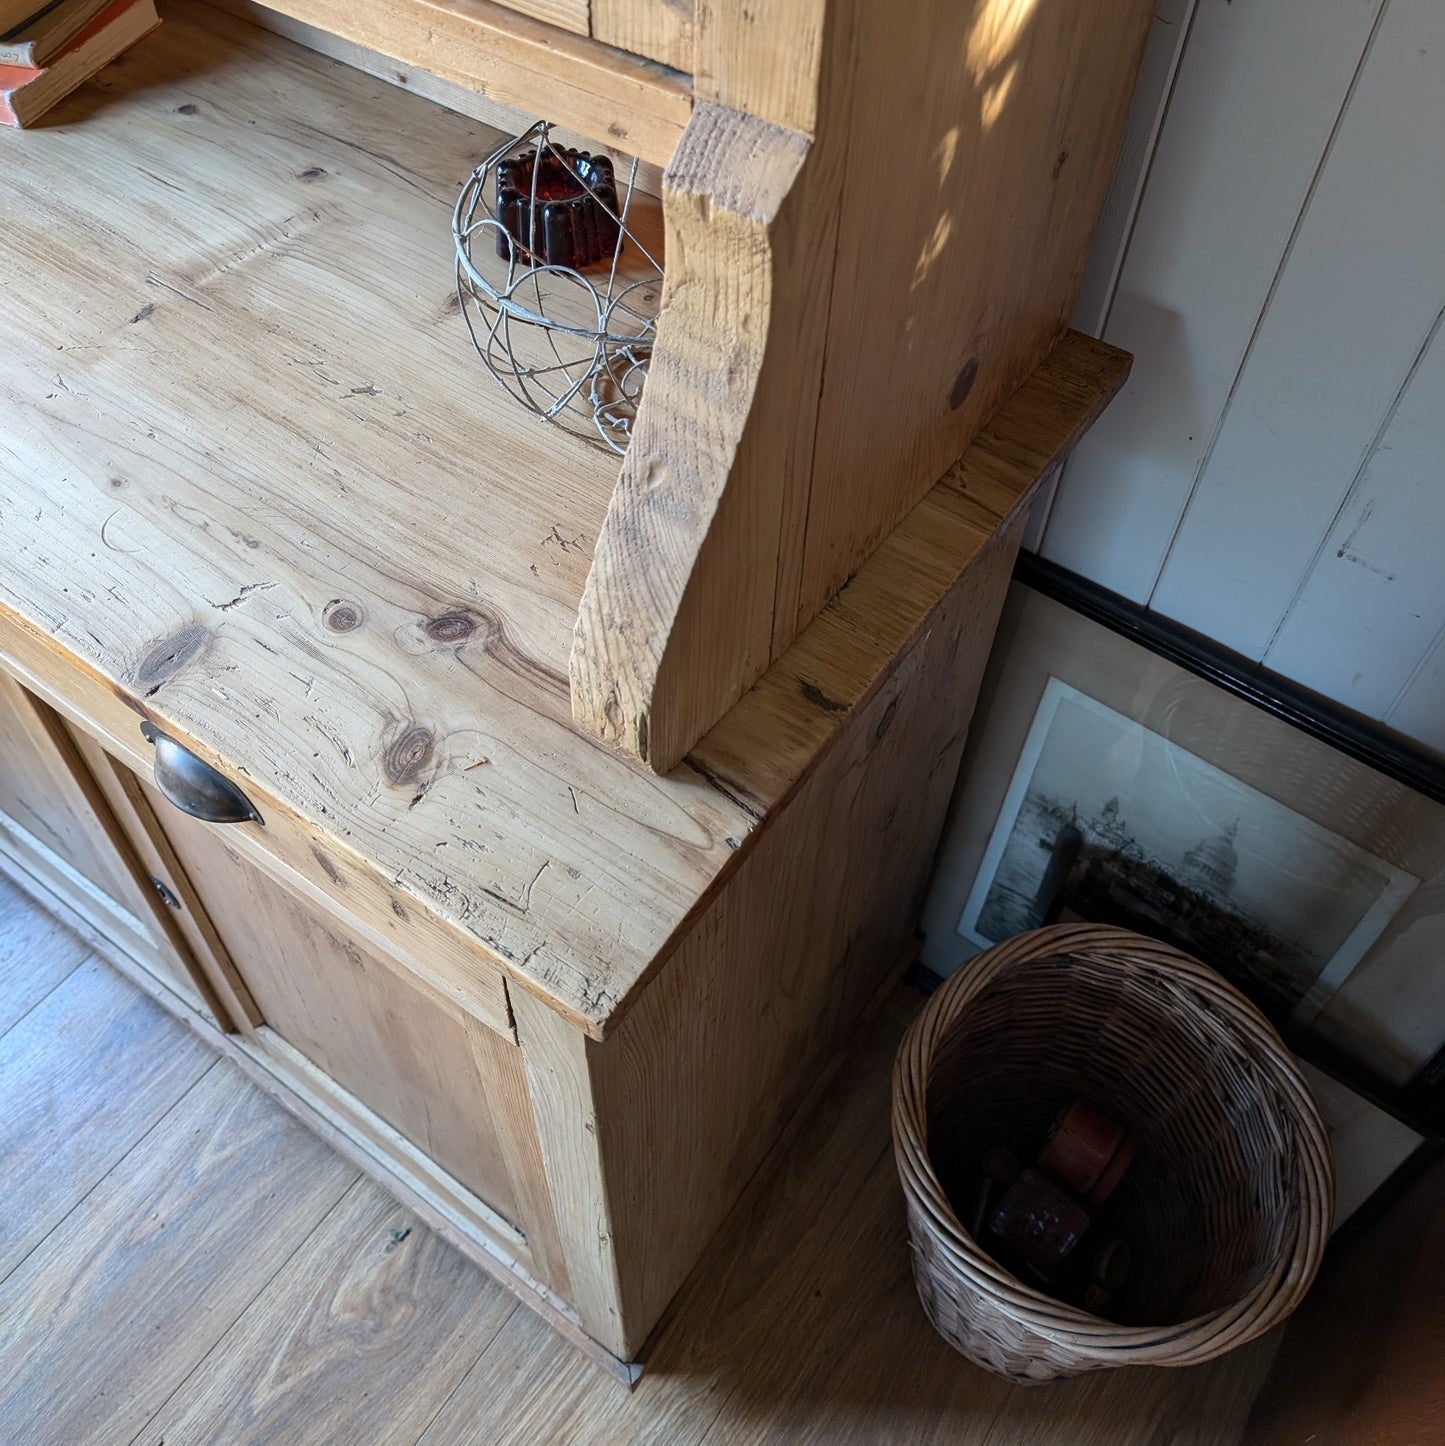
[(26, 93)]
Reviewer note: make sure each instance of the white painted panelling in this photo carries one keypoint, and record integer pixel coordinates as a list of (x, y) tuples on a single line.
[(1157, 72), (1357, 297), (1375, 598), (1163, 52), (1420, 711), (1258, 92)]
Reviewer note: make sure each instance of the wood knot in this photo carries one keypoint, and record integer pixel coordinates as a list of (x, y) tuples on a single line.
[(658, 475), (963, 384), (328, 868), (187, 109), (450, 628), (170, 655), (819, 699), (342, 616), (313, 173), (886, 721), (408, 754)]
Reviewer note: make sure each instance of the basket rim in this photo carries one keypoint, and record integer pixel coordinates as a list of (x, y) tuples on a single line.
[(1179, 1343)]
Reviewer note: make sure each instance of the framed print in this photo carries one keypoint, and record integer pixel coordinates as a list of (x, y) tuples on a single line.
[(1294, 904), (1102, 780)]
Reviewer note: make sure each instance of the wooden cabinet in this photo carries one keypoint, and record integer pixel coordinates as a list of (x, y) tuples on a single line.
[(449, 1083), (202, 966), (592, 808)]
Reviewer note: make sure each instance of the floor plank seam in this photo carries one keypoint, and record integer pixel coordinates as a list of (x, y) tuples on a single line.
[(140, 1141), (466, 1374), (241, 1313), (21, 1018)]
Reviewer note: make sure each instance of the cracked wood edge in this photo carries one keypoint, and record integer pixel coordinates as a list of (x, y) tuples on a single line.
[(649, 666)]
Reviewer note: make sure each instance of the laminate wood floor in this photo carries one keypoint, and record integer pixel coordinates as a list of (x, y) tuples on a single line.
[(181, 1262)]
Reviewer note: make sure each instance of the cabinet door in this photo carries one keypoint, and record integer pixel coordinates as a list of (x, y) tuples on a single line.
[(450, 1084), (58, 830), (40, 795), (134, 804)]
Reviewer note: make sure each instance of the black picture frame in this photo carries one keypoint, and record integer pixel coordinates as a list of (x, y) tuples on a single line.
[(1420, 1104)]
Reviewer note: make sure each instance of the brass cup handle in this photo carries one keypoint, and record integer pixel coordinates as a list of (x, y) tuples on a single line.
[(194, 786)]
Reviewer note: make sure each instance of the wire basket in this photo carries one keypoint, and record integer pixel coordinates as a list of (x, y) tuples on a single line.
[(558, 289)]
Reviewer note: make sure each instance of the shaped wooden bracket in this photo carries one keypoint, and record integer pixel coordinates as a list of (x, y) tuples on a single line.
[(663, 635)]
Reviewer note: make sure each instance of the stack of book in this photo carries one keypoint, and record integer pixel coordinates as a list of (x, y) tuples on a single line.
[(47, 49)]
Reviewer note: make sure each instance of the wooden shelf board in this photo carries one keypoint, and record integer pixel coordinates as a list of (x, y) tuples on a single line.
[(510, 119), (591, 88), (235, 400)]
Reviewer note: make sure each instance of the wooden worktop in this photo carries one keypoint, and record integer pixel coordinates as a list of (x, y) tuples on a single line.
[(253, 477)]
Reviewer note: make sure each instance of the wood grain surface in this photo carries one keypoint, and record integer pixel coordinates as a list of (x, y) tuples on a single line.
[(719, 1053), (199, 949), (663, 30), (594, 89), (668, 634), (1360, 1364), (122, 896), (755, 489), (570, 1144), (573, 15), (784, 724), (117, 1305), (1002, 141), (271, 412), (36, 954), (405, 1054), (92, 914), (803, 1326), (767, 60), (354, 1339), (778, 729), (38, 792), (509, 119), (82, 1077)]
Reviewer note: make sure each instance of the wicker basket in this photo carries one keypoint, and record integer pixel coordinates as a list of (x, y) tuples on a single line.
[(1228, 1202)]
